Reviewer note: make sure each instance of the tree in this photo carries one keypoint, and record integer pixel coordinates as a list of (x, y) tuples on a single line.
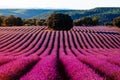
[(1, 21), (108, 24), (95, 21), (18, 21), (116, 21), (40, 22), (78, 22), (9, 20), (59, 21), (87, 21), (29, 21)]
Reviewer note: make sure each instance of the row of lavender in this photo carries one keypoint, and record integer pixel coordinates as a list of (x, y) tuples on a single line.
[(36, 40), (58, 55)]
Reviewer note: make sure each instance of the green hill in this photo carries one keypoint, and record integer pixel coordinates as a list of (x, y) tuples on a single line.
[(106, 14)]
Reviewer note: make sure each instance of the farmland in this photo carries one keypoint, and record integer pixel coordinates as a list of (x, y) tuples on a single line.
[(83, 53)]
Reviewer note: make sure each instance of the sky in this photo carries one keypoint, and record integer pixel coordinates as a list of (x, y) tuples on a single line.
[(58, 4)]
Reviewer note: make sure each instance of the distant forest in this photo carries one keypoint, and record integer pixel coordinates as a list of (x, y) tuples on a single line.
[(12, 20)]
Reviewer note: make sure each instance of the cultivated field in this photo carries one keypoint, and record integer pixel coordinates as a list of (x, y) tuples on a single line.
[(83, 53)]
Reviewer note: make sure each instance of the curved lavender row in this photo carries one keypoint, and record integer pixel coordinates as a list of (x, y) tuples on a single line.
[(34, 44), (16, 32), (102, 40), (11, 38), (82, 40), (21, 29), (32, 47), (116, 38), (94, 41), (15, 43), (81, 44), (111, 70), (111, 41), (76, 70), (96, 29), (6, 44), (23, 40), (97, 40), (4, 37), (89, 40), (45, 52), (107, 52), (38, 47), (16, 48), (14, 69), (23, 47), (75, 40), (44, 44), (86, 41), (114, 60), (61, 40), (6, 59), (45, 69), (9, 35), (26, 44), (66, 39), (106, 40), (69, 42), (25, 50)]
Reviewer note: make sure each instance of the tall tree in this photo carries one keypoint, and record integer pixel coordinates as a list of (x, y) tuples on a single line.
[(116, 21), (95, 21), (18, 21), (9, 20)]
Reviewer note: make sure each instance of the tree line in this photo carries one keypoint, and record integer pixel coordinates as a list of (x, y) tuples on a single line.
[(115, 22), (11, 20)]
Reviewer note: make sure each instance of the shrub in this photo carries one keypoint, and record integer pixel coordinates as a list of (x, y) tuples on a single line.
[(78, 22), (59, 21), (108, 24), (40, 22), (87, 21), (30, 22), (18, 21), (116, 22), (0, 21), (9, 20), (12, 21), (95, 21)]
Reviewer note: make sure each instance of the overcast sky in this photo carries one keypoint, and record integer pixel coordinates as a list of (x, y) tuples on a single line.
[(59, 4)]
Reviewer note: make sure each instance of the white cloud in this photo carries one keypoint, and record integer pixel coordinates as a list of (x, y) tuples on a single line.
[(71, 4)]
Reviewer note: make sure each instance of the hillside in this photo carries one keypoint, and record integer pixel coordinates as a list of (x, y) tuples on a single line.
[(23, 13), (83, 53), (105, 14)]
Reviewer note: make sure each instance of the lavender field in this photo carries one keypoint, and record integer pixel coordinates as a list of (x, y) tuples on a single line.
[(83, 53)]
